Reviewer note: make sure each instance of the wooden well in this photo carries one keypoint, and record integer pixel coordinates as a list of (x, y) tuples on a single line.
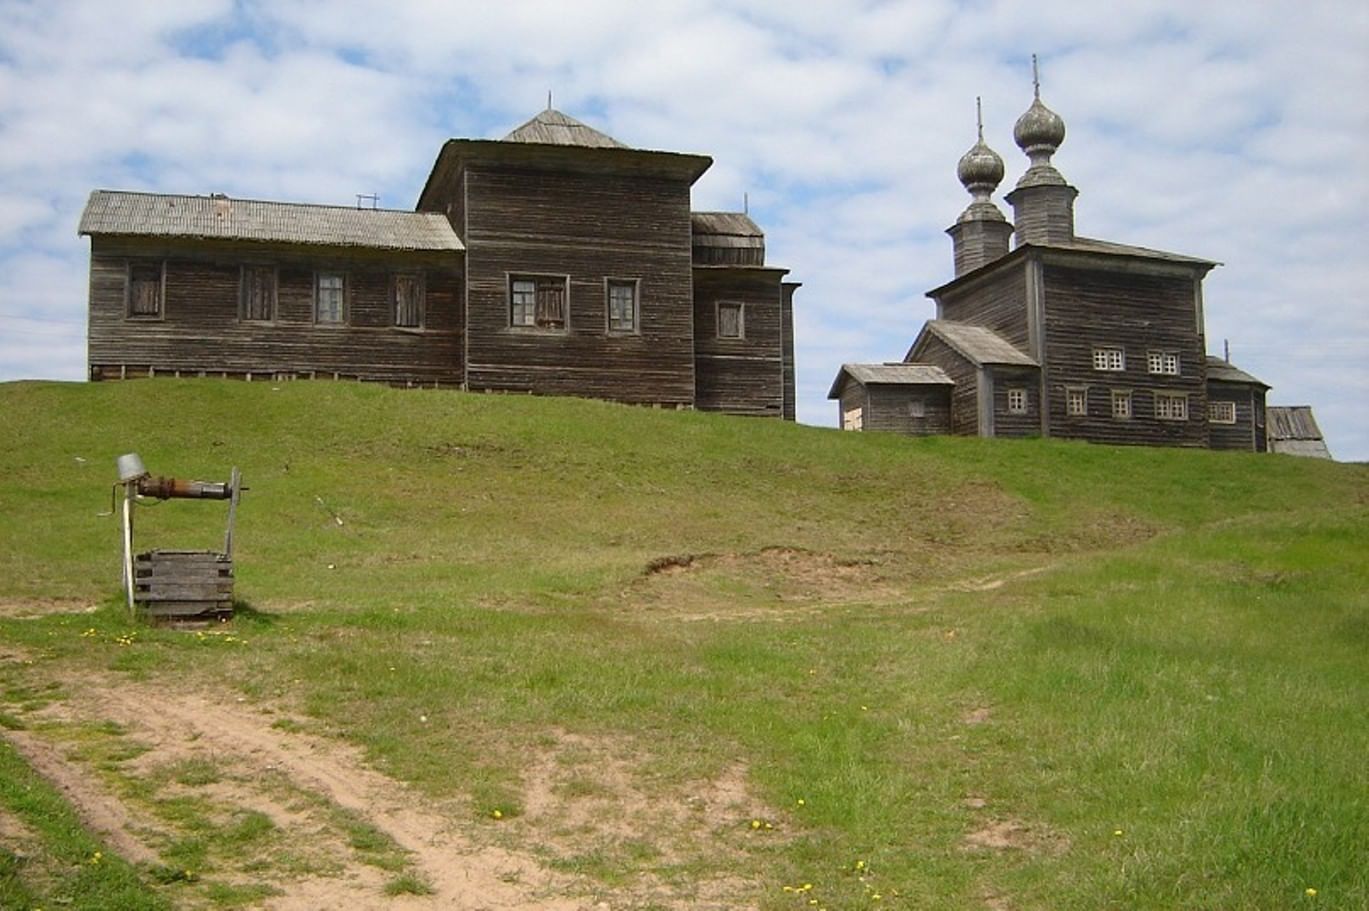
[(183, 585)]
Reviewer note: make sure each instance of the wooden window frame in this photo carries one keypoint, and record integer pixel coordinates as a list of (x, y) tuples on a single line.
[(1221, 411), (1124, 398), (1104, 360), (132, 264), (1020, 393), (635, 324), (421, 289), (343, 308), (1175, 410), (917, 409), (1162, 363), (741, 319), (540, 282), (243, 292), (1080, 394)]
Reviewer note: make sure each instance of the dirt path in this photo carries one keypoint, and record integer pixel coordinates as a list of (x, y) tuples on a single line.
[(464, 875)]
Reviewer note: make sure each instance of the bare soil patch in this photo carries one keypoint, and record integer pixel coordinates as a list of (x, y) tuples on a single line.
[(1014, 835), (25, 608)]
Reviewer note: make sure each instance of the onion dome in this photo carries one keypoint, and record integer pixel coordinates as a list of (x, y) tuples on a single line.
[(980, 171), (1039, 132)]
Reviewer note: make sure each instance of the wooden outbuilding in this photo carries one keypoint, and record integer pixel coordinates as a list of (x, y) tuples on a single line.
[(1293, 430), (904, 398), (554, 261)]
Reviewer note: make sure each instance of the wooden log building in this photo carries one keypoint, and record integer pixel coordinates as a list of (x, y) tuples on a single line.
[(1062, 335), (554, 261)]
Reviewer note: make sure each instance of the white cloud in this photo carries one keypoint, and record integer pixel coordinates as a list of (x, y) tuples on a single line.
[(1236, 131)]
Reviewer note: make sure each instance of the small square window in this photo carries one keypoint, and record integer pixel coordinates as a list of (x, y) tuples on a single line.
[(145, 289), (258, 293), (537, 301), (406, 300), (1109, 359), (1171, 406), (1017, 401), (1221, 412), (1165, 363), (731, 321), (622, 306), (329, 297), (1077, 402), (1121, 403), (917, 408)]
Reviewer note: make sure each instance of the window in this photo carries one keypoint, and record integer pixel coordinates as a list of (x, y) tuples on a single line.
[(1077, 401), (145, 289), (258, 291), (537, 301), (406, 300), (1221, 412), (1163, 362), (1017, 401), (1121, 403), (329, 296), (731, 323), (917, 408), (622, 306), (1171, 406), (851, 419), (1109, 359)]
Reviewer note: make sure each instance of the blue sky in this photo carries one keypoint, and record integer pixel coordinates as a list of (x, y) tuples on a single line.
[(1234, 131)]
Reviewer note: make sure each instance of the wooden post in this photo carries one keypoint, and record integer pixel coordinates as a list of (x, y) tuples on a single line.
[(128, 543)]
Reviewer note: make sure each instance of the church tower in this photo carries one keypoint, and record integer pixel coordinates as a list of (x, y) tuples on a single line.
[(1042, 202), (980, 235)]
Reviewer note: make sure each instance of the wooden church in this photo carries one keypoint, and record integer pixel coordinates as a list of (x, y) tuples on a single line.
[(1058, 335), (554, 261)]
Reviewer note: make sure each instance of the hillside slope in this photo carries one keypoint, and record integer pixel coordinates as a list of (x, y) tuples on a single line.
[(699, 661)]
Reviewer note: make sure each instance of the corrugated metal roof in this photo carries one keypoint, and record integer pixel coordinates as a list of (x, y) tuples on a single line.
[(890, 375), (980, 345), (1227, 372), (222, 218), (551, 127), (1292, 422)]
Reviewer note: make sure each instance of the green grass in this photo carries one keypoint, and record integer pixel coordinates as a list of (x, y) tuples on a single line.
[(1177, 650)]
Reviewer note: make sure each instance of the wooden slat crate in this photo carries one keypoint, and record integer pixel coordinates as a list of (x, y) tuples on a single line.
[(183, 584)]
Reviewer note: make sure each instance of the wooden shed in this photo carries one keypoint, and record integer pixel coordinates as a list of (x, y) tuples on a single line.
[(1294, 431), (904, 398), (1235, 407)]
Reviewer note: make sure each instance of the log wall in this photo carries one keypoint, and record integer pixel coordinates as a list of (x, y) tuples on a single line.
[(740, 375), (1248, 433), (1138, 311), (200, 329), (587, 228), (964, 396)]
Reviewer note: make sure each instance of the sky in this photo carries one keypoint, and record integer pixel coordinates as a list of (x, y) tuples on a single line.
[(1233, 130)]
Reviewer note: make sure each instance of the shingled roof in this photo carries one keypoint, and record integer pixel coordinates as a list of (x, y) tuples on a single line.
[(890, 375), (551, 127), (979, 345), (1227, 372), (221, 218)]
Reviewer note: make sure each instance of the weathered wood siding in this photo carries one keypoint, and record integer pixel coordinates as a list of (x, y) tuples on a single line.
[(997, 302), (1136, 310), (964, 397), (1005, 422), (890, 408), (787, 340), (1248, 433), (739, 375), (589, 228), (200, 329)]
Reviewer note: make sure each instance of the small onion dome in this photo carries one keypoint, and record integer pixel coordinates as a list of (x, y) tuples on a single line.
[(1039, 130), (980, 167)]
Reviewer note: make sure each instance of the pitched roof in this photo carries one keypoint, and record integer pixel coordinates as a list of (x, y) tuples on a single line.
[(979, 345), (1227, 372), (551, 127), (890, 375), (222, 218), (1292, 422), (1093, 245)]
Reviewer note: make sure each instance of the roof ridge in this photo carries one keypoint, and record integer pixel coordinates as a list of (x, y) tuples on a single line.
[(269, 202)]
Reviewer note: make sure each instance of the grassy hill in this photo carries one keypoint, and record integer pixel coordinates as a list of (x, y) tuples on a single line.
[(945, 672)]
